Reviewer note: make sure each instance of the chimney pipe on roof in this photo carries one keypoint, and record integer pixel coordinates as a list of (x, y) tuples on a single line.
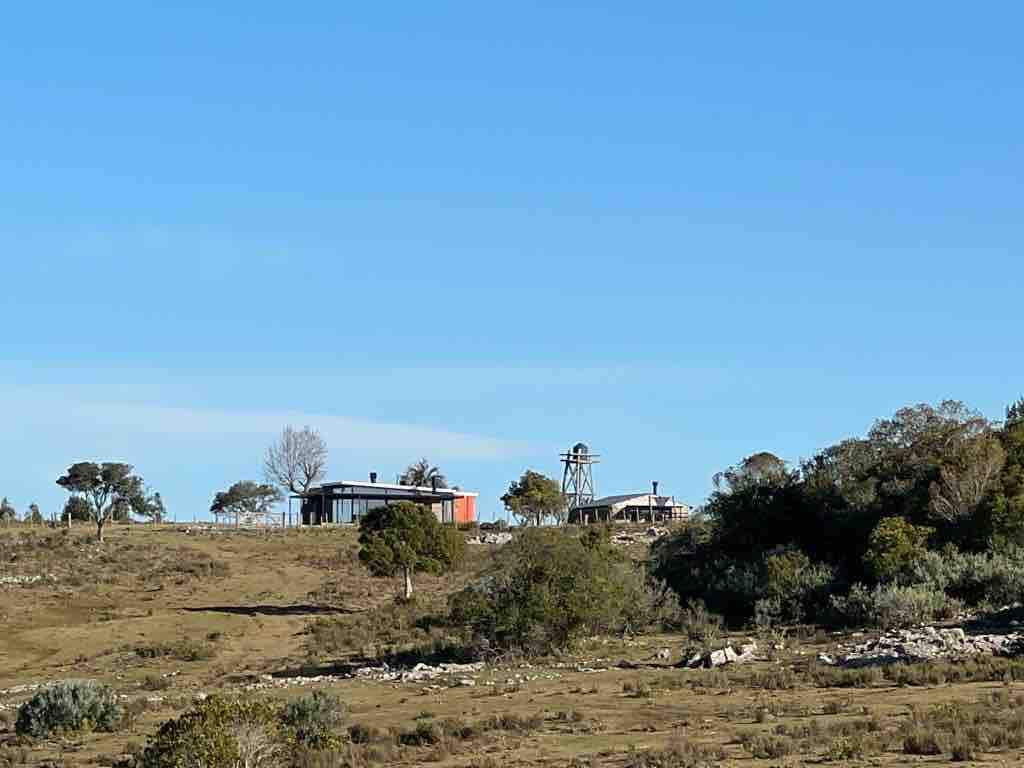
[(373, 477), (655, 486)]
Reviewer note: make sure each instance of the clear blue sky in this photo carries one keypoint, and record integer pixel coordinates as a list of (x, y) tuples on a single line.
[(679, 234)]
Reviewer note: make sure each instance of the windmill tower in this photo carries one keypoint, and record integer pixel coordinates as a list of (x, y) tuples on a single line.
[(578, 477)]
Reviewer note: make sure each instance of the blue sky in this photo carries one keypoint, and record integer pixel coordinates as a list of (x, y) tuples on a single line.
[(679, 234)]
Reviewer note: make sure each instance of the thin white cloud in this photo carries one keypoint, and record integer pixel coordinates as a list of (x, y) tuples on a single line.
[(345, 435)]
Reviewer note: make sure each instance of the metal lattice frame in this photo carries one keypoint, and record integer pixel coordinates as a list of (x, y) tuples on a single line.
[(578, 476)]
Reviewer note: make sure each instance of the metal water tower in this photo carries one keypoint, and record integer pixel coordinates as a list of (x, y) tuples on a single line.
[(578, 477)]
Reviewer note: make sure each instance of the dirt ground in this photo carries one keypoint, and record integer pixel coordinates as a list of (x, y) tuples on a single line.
[(242, 601)]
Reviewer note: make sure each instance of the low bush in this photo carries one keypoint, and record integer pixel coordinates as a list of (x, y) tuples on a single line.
[(888, 606), (547, 590), (182, 650), (921, 740), (765, 746), (681, 753), (155, 683), (217, 733), (313, 720), (71, 705)]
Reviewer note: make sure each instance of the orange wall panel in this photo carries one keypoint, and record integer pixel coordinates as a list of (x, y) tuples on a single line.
[(465, 509)]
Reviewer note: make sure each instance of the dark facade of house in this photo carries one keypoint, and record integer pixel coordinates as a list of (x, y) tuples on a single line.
[(349, 500)]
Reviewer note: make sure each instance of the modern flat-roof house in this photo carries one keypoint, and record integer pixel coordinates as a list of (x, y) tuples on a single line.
[(348, 500), (630, 508)]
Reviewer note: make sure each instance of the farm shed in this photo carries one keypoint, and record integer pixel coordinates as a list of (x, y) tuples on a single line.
[(630, 508)]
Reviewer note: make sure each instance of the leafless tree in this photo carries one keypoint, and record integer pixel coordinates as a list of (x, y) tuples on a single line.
[(256, 748), (296, 460), (964, 482)]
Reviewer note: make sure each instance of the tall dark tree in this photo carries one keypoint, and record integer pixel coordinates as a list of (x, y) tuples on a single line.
[(762, 467), (108, 487), (296, 461), (34, 515), (7, 512), (149, 506), (423, 475), (534, 498), (405, 538), (76, 510)]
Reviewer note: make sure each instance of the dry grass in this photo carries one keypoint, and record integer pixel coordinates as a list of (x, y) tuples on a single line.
[(163, 616)]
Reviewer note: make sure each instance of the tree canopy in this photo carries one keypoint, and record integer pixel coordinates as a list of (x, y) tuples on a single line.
[(76, 509), (108, 488), (407, 538), (7, 511), (930, 478), (246, 501), (33, 515), (534, 498), (423, 475)]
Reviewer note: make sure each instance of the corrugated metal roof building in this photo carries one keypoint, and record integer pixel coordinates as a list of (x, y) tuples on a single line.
[(630, 508)]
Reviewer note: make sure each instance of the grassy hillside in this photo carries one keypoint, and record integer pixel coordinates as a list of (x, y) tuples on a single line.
[(164, 615)]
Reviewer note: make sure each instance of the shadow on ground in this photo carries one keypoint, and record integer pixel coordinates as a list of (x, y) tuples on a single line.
[(273, 610), (397, 660)]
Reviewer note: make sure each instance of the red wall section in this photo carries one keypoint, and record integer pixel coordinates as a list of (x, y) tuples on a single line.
[(465, 509)]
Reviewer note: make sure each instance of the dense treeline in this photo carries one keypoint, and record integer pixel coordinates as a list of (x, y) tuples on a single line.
[(923, 514)]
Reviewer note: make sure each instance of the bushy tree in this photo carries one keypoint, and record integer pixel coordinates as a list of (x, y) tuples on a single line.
[(77, 510), (34, 515), (108, 487), (313, 720), (546, 590), (1002, 519), (7, 512), (534, 498), (246, 501), (150, 506), (218, 732), (857, 512), (894, 546), (405, 538)]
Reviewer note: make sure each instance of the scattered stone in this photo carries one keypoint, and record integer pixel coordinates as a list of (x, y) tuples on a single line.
[(927, 644), (496, 538), (726, 655), (24, 581), (628, 538)]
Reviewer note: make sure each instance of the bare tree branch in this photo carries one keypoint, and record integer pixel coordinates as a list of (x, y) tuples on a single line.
[(297, 460)]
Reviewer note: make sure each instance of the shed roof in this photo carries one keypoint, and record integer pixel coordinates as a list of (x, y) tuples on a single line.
[(640, 498)]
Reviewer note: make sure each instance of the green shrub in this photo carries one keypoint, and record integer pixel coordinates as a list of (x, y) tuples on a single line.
[(700, 626), (844, 748), (922, 740), (313, 719), (182, 650), (71, 705), (681, 753), (796, 585), (894, 545), (217, 733), (765, 746), (547, 589), (889, 606)]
